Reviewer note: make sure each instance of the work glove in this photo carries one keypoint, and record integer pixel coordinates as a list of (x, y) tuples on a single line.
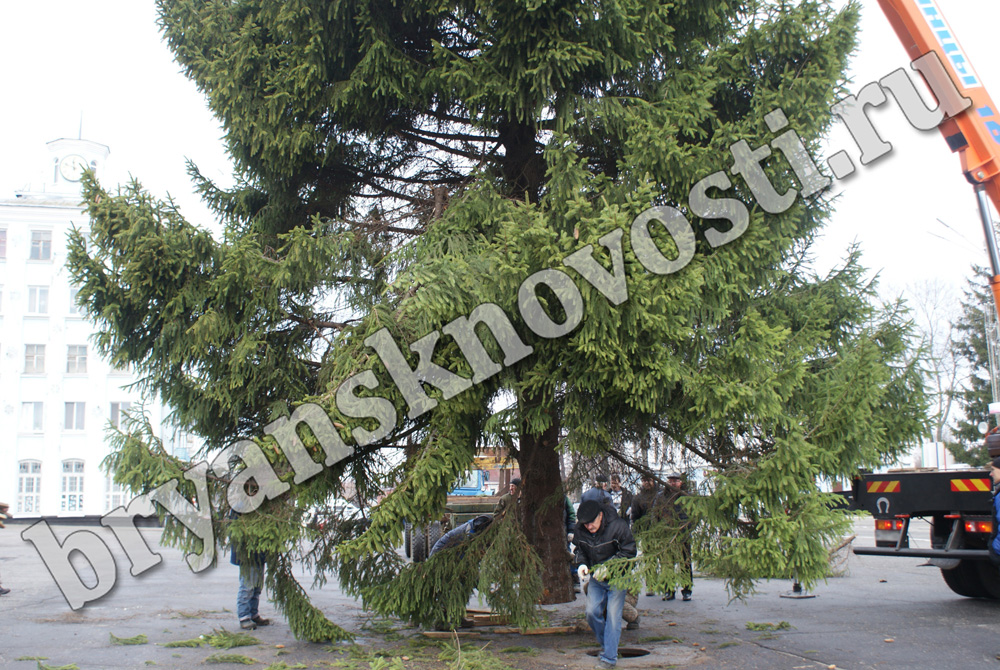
[(601, 573), (582, 572)]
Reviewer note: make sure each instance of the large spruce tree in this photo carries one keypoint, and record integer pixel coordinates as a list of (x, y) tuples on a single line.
[(401, 164)]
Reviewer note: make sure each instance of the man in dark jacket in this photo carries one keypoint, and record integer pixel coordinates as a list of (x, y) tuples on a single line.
[(251, 584), (598, 492), (672, 507), (510, 500), (643, 502), (462, 532), (601, 535)]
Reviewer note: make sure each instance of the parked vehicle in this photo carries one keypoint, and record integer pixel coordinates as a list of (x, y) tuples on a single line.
[(957, 503), (338, 508), (465, 502)]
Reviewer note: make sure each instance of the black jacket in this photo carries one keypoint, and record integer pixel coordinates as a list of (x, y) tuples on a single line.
[(612, 540), (626, 502), (643, 503), (462, 532), (672, 505)]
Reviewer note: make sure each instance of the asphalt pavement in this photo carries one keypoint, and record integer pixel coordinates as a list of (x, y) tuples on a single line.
[(880, 613)]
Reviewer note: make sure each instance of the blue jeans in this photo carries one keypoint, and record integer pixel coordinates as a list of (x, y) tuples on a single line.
[(251, 583), (606, 626)]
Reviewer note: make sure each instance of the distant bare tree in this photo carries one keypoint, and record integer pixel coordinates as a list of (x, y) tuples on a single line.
[(936, 310)]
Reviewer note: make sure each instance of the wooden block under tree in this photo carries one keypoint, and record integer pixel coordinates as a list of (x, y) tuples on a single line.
[(486, 619), (544, 630)]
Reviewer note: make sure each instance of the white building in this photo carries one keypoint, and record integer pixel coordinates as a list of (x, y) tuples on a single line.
[(57, 397)]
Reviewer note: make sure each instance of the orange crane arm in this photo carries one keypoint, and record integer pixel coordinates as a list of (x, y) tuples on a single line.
[(974, 133)]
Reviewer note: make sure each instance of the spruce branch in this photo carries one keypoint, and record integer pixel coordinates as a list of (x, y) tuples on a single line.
[(316, 324), (690, 447)]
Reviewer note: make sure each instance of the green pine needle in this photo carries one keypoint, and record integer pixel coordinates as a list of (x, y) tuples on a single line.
[(223, 639), (231, 658), (471, 658), (781, 625), (184, 643)]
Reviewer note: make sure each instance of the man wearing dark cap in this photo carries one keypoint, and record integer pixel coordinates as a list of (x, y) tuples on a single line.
[(598, 492), (510, 500), (601, 535), (643, 501), (674, 510)]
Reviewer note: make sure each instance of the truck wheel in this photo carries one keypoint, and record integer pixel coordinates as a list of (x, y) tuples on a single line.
[(406, 538), (974, 579), (434, 533), (419, 544), (988, 580), (963, 579)]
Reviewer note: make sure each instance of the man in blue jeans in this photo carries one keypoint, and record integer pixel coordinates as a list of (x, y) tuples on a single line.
[(601, 535), (251, 584)]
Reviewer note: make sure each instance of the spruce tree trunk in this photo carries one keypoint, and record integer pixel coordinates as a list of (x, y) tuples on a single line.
[(543, 496), (542, 506)]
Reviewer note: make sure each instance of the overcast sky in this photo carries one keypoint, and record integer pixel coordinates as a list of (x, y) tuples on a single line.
[(891, 207), (103, 61)]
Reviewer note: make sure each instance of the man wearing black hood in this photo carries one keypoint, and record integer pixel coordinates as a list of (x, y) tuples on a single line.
[(598, 492), (601, 535)]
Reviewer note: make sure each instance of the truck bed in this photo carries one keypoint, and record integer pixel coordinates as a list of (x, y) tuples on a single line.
[(923, 493), (465, 508)]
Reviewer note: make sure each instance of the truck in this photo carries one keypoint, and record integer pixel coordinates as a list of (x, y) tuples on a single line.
[(471, 497), (958, 504)]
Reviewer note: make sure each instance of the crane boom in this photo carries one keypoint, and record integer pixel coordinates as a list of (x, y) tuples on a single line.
[(973, 134)]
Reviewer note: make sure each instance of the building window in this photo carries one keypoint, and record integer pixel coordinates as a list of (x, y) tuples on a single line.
[(117, 408), (76, 358), (3, 243), (41, 245), (73, 307), (32, 417), (34, 358), (182, 445), (72, 486), (29, 483), (74, 415), (115, 495), (38, 300)]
